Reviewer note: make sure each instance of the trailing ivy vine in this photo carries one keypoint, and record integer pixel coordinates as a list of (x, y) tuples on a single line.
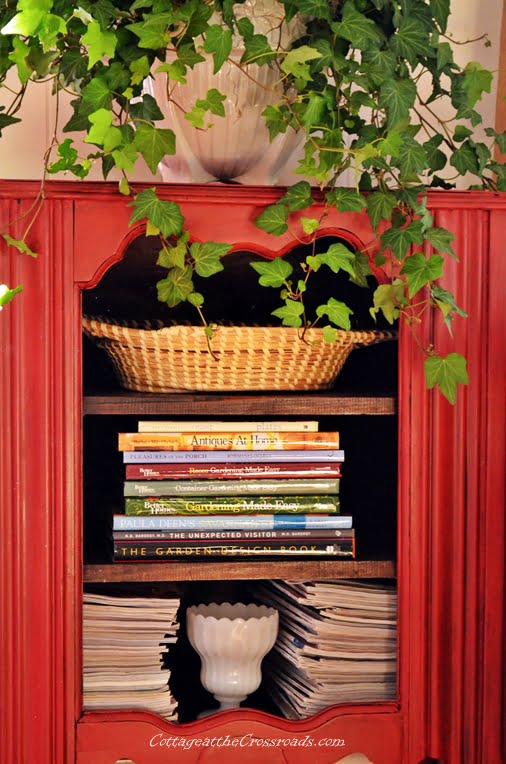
[(354, 84)]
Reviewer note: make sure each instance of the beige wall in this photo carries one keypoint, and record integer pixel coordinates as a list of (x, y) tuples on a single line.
[(22, 148)]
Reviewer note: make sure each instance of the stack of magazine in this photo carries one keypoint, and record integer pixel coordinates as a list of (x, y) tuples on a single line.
[(336, 644), (207, 489), (125, 640)]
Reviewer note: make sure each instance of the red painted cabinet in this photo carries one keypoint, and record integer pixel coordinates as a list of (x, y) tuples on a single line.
[(450, 527)]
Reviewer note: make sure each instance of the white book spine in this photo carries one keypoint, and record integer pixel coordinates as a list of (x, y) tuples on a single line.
[(215, 426)]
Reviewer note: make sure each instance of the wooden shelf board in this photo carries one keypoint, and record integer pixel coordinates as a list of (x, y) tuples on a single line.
[(238, 404), (238, 570)]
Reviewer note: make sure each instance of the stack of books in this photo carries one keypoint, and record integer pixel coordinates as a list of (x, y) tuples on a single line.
[(337, 643), (124, 643), (210, 489)]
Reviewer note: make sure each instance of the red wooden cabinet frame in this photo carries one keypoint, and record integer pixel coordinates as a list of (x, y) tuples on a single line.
[(451, 500)]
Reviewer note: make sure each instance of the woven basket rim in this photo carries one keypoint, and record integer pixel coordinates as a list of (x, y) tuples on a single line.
[(98, 327)]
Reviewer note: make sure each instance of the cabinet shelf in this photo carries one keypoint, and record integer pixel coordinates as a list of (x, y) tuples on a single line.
[(239, 404), (238, 570)]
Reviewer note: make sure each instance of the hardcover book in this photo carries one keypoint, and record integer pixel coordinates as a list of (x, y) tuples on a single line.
[(180, 505), (297, 455), (226, 441), (228, 522), (177, 550), (232, 471), (211, 425), (229, 487), (229, 535)]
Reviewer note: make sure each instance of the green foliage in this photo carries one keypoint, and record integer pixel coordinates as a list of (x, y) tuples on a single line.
[(350, 86)]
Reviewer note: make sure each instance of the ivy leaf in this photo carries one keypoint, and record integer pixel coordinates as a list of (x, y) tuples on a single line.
[(99, 43), (411, 40), (315, 109), (309, 225), (419, 271), (329, 334), (298, 196), (461, 132), (273, 219), (337, 312), (387, 298), (273, 273), (6, 120), (412, 159), (20, 245), (440, 9), (196, 116), (213, 102), (164, 215), (174, 70), (257, 50), (319, 9), (445, 301), (154, 143), (146, 109), (140, 69), (276, 119), (436, 159), (444, 56), (441, 240), (337, 258), (357, 28), (153, 32), (188, 56), (125, 157), (67, 161), (397, 96), (95, 95), (446, 372), (346, 200), (465, 159), (218, 42), (124, 187), (31, 16), (400, 239), (207, 257), (196, 299), (174, 257), (362, 270), (102, 132), (295, 62), (380, 206), (176, 287), (290, 313), (476, 81), (19, 57), (7, 295)]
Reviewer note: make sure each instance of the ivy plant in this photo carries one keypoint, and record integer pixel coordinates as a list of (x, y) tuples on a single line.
[(355, 85)]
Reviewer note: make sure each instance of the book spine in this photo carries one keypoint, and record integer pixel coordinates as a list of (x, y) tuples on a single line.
[(216, 537), (229, 487), (228, 522), (232, 471), (168, 550), (226, 441), (182, 457), (232, 504), (210, 425)]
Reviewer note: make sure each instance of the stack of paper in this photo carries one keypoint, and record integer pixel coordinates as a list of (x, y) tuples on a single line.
[(336, 644), (124, 641)]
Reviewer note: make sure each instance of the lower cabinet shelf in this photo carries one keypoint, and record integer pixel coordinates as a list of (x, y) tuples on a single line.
[(238, 570)]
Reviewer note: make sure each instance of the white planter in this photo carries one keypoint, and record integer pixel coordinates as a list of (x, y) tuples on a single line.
[(237, 146), (231, 641)]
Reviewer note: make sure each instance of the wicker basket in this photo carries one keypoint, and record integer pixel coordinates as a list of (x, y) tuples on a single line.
[(177, 358)]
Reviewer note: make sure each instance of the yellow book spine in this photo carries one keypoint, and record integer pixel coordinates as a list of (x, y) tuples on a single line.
[(227, 441)]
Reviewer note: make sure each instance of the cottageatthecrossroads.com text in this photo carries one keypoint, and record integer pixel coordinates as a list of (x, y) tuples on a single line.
[(243, 741)]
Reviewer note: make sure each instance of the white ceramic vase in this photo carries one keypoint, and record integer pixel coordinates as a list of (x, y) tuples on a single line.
[(231, 640), (236, 146)]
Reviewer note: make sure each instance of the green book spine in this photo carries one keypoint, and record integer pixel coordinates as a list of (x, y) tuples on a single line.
[(181, 505), (259, 487)]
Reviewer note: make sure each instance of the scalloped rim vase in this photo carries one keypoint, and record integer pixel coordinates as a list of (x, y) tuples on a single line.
[(231, 640)]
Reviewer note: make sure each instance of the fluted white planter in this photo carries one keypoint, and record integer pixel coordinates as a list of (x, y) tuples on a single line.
[(237, 146), (231, 640)]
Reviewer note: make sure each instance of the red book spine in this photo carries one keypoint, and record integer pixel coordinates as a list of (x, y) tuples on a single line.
[(231, 471)]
